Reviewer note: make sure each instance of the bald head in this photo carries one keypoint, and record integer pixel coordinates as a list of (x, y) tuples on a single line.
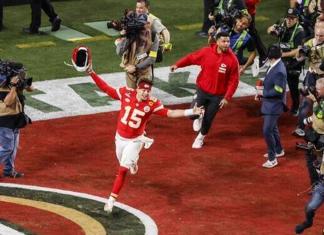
[(320, 87), (319, 32)]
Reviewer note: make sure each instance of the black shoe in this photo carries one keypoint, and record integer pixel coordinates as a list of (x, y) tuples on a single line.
[(13, 174), (56, 24), (202, 34), (30, 31), (263, 62), (301, 227)]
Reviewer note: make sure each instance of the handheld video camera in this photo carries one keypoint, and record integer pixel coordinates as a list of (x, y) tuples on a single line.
[(118, 24), (304, 50), (9, 69), (278, 30)]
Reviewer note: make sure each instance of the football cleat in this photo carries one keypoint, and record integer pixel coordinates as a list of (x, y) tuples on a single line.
[(109, 205)]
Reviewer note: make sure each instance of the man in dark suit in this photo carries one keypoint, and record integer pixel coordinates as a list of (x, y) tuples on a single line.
[(36, 7), (273, 105)]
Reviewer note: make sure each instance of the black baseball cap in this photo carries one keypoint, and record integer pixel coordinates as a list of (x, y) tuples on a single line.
[(292, 12)]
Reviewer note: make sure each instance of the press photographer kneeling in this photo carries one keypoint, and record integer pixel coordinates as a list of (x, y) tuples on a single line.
[(13, 82), (314, 156)]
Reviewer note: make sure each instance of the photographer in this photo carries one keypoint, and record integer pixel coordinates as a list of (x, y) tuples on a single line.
[(137, 49), (13, 82), (290, 35), (314, 156), (219, 12), (142, 7), (308, 12), (240, 40), (313, 50)]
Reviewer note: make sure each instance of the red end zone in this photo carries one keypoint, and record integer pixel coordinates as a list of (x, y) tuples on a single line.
[(220, 189)]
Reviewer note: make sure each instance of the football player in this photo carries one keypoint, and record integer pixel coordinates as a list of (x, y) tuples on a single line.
[(137, 105)]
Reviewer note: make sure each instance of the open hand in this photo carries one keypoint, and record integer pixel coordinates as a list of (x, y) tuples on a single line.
[(223, 103), (198, 110)]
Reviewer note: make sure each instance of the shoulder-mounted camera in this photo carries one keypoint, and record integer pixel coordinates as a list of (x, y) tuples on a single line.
[(134, 23), (10, 69)]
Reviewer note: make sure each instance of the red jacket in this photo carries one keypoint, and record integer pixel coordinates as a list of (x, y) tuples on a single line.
[(219, 73)]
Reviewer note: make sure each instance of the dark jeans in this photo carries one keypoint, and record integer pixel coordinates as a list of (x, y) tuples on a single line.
[(310, 158), (271, 135), (211, 105), (36, 7), (208, 5), (262, 51), (305, 109), (293, 80), (1, 13)]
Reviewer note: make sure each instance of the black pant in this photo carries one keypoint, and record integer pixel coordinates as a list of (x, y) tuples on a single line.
[(1, 13), (293, 80), (211, 105), (262, 51), (310, 158), (36, 7), (208, 6)]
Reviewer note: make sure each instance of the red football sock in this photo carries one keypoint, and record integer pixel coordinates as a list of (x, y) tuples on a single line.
[(119, 181)]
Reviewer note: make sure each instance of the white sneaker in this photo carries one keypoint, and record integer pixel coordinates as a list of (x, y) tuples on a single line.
[(270, 164), (198, 143), (281, 154), (255, 67), (109, 205), (133, 169), (196, 125), (299, 132)]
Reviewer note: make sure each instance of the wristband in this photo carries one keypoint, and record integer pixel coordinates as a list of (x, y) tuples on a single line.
[(188, 112)]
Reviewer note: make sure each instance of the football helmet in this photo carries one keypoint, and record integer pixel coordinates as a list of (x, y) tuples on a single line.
[(81, 58)]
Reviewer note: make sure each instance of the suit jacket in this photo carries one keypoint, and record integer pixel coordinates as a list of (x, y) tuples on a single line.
[(274, 91)]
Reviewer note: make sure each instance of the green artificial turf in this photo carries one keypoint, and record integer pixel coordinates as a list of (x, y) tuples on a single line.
[(47, 61)]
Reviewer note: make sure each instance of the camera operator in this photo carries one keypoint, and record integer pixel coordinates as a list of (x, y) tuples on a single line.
[(240, 40), (142, 7), (12, 116), (137, 49), (308, 12), (313, 50), (216, 12), (291, 35), (314, 156)]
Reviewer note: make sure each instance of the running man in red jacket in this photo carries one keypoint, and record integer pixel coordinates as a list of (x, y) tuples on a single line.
[(216, 82)]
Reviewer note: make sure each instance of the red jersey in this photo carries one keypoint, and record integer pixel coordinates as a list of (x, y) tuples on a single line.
[(219, 73), (133, 114)]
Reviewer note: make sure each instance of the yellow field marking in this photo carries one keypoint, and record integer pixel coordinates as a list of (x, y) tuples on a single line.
[(36, 44), (262, 18), (189, 26), (89, 225), (93, 39)]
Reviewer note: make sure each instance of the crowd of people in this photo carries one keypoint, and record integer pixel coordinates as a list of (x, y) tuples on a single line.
[(233, 45)]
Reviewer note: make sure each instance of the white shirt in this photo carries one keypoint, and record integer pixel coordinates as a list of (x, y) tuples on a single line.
[(274, 64)]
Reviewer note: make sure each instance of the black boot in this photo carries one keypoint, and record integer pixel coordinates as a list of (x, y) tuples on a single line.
[(306, 224)]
